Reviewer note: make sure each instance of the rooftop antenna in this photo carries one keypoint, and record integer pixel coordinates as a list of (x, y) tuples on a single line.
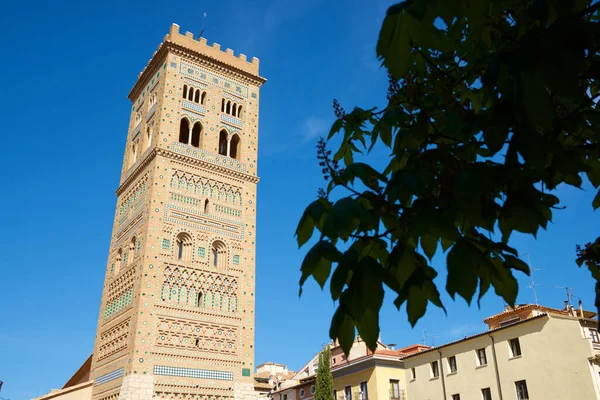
[(202, 30), (433, 337), (533, 284), (569, 294)]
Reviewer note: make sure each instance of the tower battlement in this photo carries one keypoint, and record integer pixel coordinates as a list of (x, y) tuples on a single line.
[(201, 46)]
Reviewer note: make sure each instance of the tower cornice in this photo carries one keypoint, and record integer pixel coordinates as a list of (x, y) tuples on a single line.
[(187, 159), (204, 59)]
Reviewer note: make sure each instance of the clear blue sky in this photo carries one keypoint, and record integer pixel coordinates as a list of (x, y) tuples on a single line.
[(65, 73)]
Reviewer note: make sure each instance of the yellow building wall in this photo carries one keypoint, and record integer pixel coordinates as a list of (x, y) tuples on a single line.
[(554, 363), (378, 382)]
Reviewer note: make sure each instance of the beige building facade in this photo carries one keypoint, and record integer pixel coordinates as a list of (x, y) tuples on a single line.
[(177, 310), (532, 352)]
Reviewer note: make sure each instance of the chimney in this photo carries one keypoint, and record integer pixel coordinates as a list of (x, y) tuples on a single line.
[(580, 308)]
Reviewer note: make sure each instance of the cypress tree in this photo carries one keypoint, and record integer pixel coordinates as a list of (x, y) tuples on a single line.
[(324, 384)]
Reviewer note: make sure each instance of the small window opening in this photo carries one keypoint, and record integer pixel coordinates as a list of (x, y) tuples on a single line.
[(234, 147), (206, 206), (203, 98), (239, 113), (185, 91), (223, 143), (196, 133), (184, 131), (197, 96)]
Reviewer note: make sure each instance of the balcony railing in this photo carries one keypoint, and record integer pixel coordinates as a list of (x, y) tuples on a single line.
[(355, 396)]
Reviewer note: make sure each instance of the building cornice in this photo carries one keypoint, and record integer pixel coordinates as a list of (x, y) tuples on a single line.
[(157, 151), (160, 55)]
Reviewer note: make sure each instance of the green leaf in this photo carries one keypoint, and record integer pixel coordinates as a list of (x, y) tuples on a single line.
[(345, 217), (393, 46), (494, 137), (342, 329), (368, 327), (596, 202), (335, 128), (463, 264), (317, 262), (364, 172), (416, 304), (429, 245), (536, 99)]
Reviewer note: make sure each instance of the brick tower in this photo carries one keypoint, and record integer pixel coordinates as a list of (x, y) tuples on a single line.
[(177, 311)]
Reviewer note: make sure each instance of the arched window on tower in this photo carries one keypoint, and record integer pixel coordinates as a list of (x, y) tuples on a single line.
[(191, 94), (206, 206), (223, 142), (197, 96), (228, 109), (222, 105), (118, 260), (219, 254), (134, 153), (148, 137), (183, 247), (196, 134), (132, 245), (234, 109), (184, 131), (239, 113), (203, 98), (185, 89), (234, 147)]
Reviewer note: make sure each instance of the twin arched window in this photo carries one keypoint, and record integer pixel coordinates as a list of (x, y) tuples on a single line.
[(229, 147), (190, 134), (231, 108), (195, 95)]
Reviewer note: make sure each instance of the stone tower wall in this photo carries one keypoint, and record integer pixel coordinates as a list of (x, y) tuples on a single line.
[(177, 309)]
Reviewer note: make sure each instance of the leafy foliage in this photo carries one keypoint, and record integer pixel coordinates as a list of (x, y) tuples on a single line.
[(324, 384), (491, 105)]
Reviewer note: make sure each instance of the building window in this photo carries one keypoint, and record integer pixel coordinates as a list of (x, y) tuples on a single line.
[(364, 391), (486, 394), (219, 253), (594, 336), (456, 396), (521, 387), (285, 397), (312, 389), (413, 373), (452, 364), (348, 392), (435, 370), (394, 389), (184, 244), (201, 252), (481, 357), (302, 392), (236, 260), (515, 347), (223, 143), (234, 147)]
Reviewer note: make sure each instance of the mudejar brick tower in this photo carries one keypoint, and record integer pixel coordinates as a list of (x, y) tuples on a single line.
[(177, 311)]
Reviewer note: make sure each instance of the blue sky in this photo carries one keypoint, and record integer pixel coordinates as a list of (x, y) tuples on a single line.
[(65, 75)]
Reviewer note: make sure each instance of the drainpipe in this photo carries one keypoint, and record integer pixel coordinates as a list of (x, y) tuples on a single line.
[(496, 366), (442, 375)]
